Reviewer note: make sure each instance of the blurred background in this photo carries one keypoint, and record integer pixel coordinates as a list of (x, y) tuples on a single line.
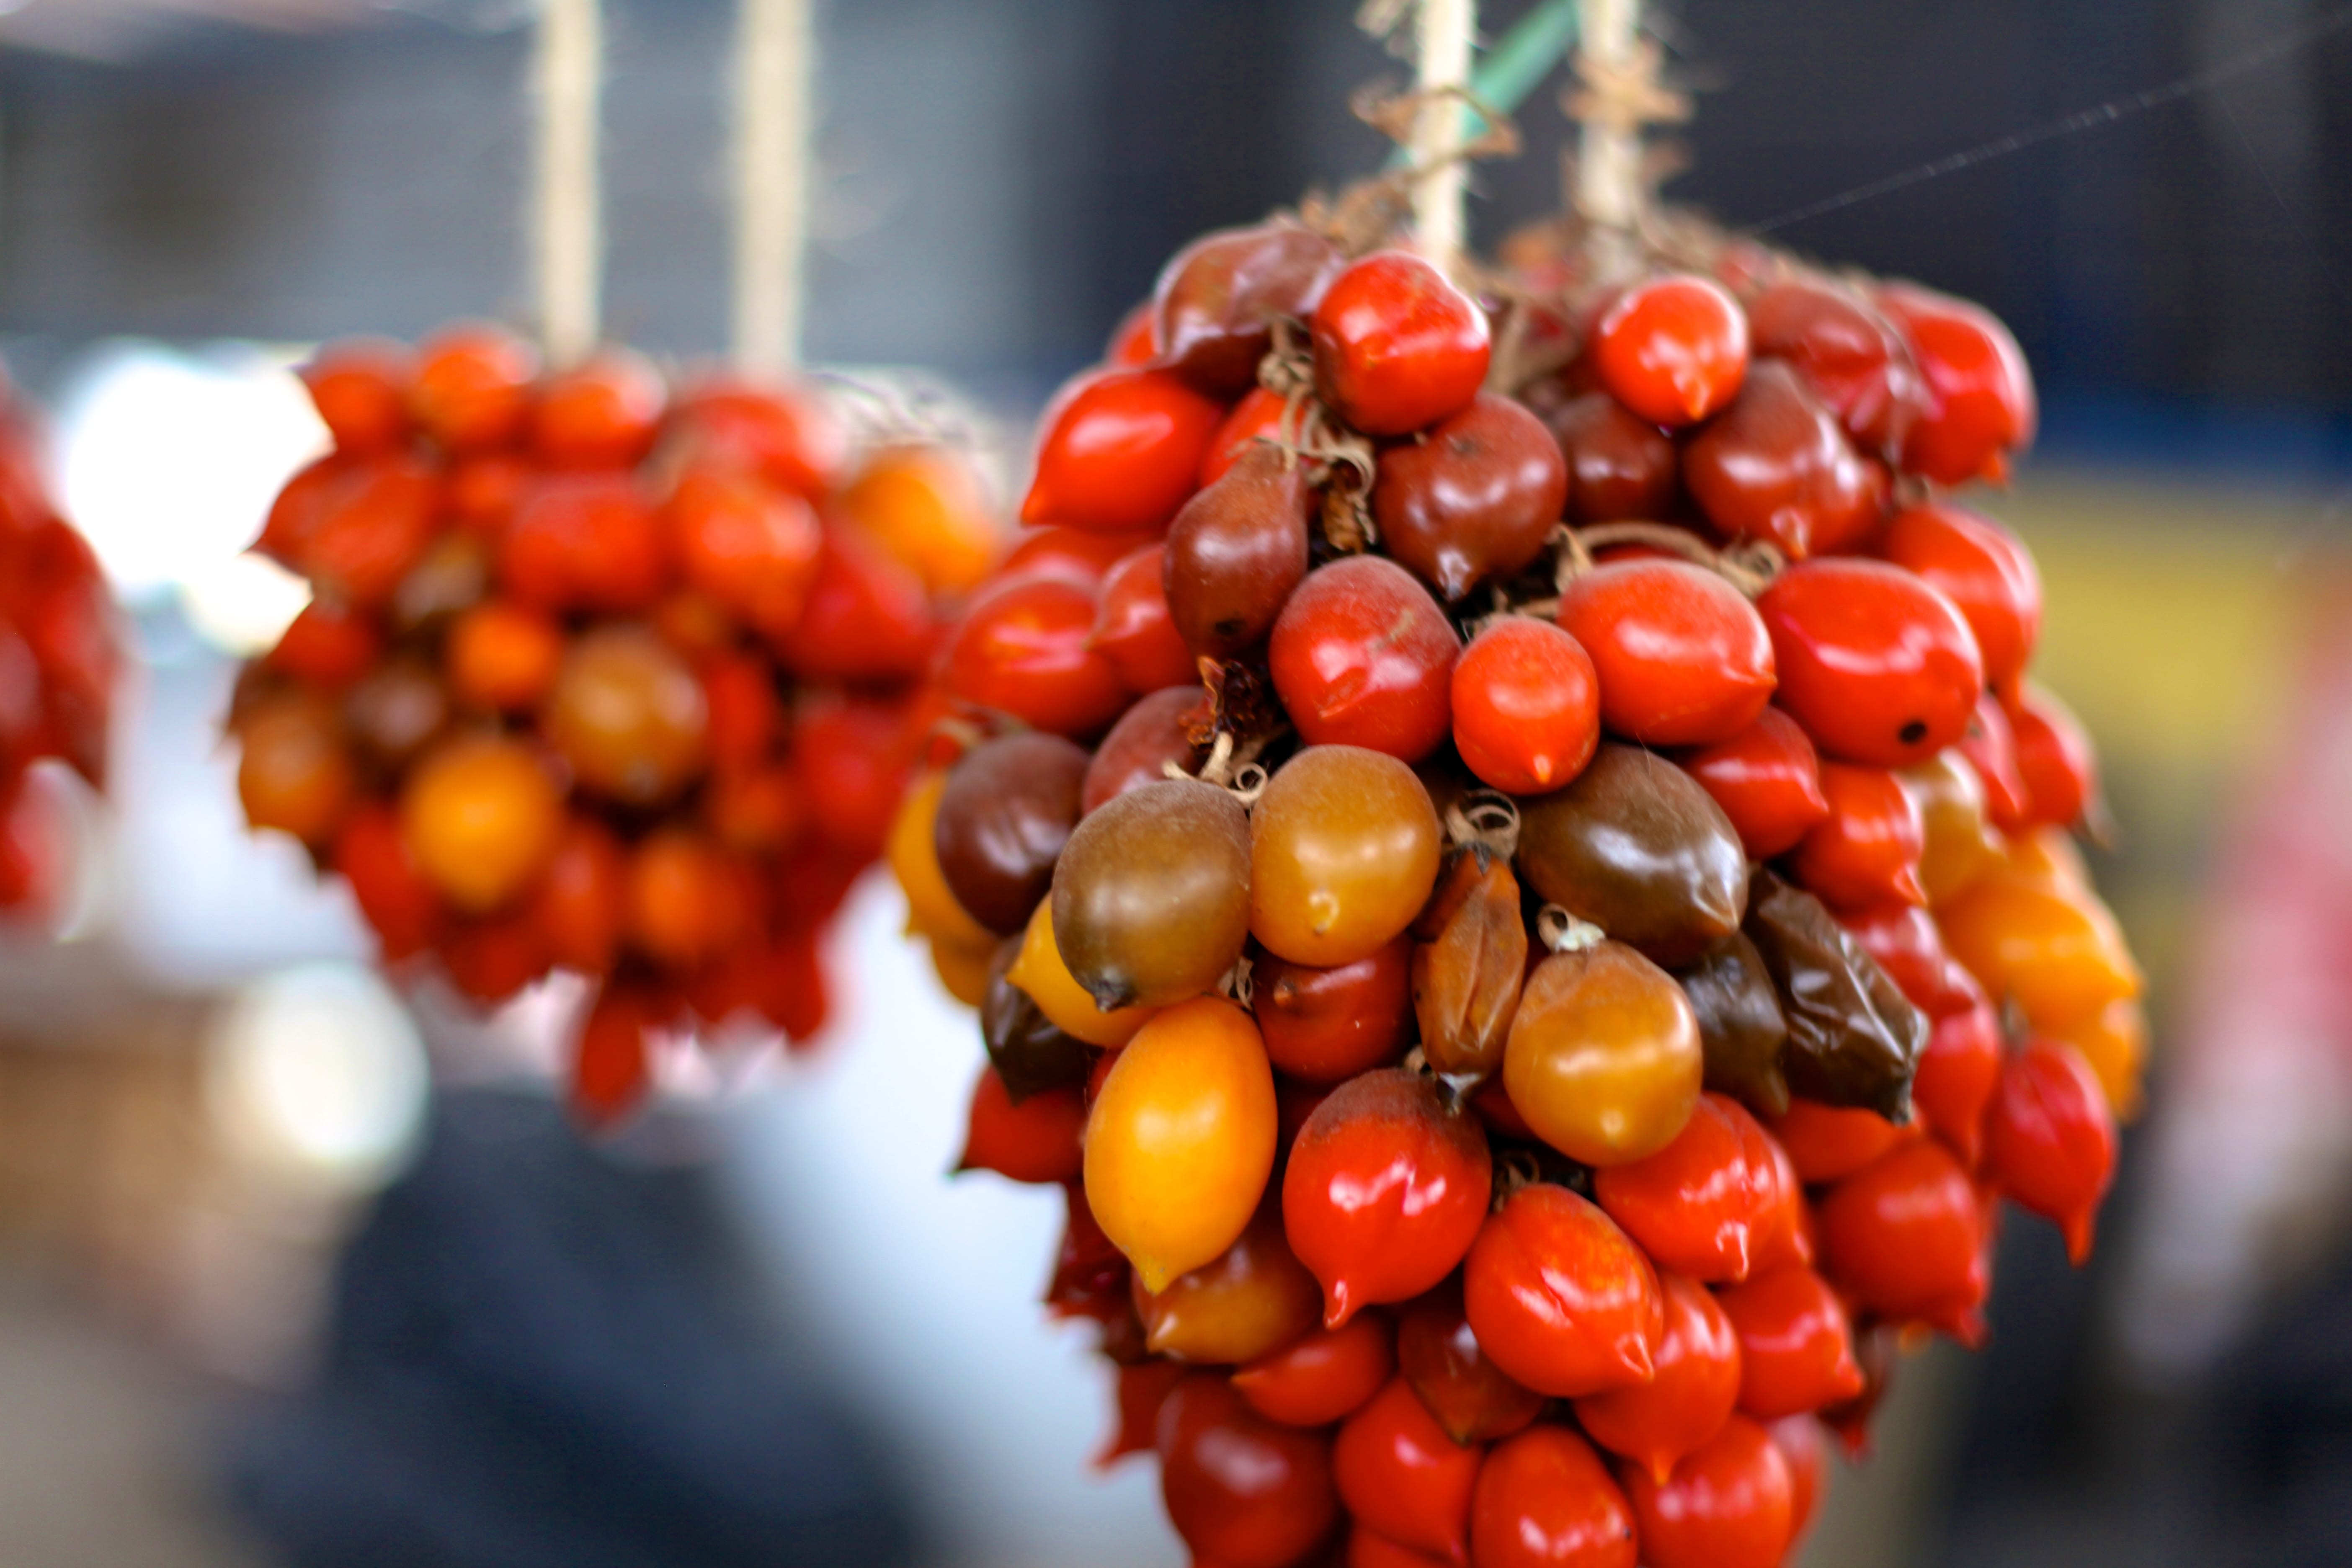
[(292, 1270)]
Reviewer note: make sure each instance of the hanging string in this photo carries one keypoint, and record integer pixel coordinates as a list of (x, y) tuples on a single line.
[(568, 234), (1620, 95), (2279, 48), (775, 49), (1442, 30)]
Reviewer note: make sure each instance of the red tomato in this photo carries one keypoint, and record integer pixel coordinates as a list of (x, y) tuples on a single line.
[(853, 756), (865, 618), (1796, 1348), (1727, 1506), (1980, 565), (1767, 779), (1142, 1389), (1544, 1500), (1877, 666), (1866, 851), (472, 390), (1474, 1400), (1259, 414), (600, 414), (1989, 744), (1829, 1142), (2055, 760), (1776, 466), (1525, 706), (793, 442), (1243, 1491), (1134, 342), (360, 387), (753, 549), (1705, 1203), (329, 646), (1674, 350), (610, 1074), (1400, 1474), (586, 542), (1683, 658), (1850, 353), (1904, 1238), (2050, 1138), (1120, 451), (1694, 1394), (371, 528), (1322, 1378), (1397, 345), (1132, 629), (1073, 554), (371, 855), (1362, 657), (1958, 1073), (1035, 1139), (1157, 730), (1371, 1549), (1022, 649), (1559, 1298), (1979, 403), (1904, 941), (1385, 1191), (1799, 1440), (1327, 1026)]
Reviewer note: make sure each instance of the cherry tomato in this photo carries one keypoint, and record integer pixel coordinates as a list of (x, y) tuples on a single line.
[(1828, 1143), (295, 771), (400, 904), (1877, 666), (1979, 404), (1767, 778), (1674, 350), (1325, 1026), (1902, 939), (1474, 500), (1344, 849), (580, 905), (1385, 1191), (1142, 1389), (1903, 1237), (1131, 628), (1261, 413), (1695, 1388), (1248, 1302), (1397, 345), (1990, 745), (751, 549), (1799, 1440), (486, 490), (586, 542), (610, 1073), (1979, 566), (1033, 1140), (1216, 301), (360, 387), (793, 442), (1849, 352), (2054, 951), (1362, 657), (1157, 730), (1958, 1073), (490, 958), (1023, 648), (1243, 1491), (1180, 1139), (1791, 1240), (1603, 1058), (1400, 1474), (1322, 1377), (689, 901), (2055, 760), (1729, 1505), (1544, 1500), (1683, 658), (503, 657), (329, 646), (1866, 851), (1134, 342), (1619, 467), (472, 390), (1474, 1400), (1703, 1204), (1559, 1298), (1119, 451), (1073, 554), (371, 528), (1777, 467), (602, 412), (1526, 705), (1796, 1348), (850, 755), (482, 817), (865, 618), (2050, 1138)]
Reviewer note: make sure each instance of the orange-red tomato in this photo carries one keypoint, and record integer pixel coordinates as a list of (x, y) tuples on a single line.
[(1400, 1474), (1801, 1441), (1828, 1143), (360, 387), (1729, 1505), (1683, 658), (1767, 779), (328, 646), (1696, 1389), (751, 549), (1526, 704), (503, 657), (865, 619), (926, 508), (1259, 413), (1956, 1076), (1866, 851), (472, 390), (1397, 345), (1674, 350), (1474, 1400), (1796, 1348), (2056, 762), (1544, 1500), (586, 542), (1119, 451), (600, 414), (1243, 1491), (1705, 1203), (2050, 1138), (791, 440), (1561, 1299), (1904, 1238), (1132, 629), (1023, 648), (370, 527), (1877, 665), (1984, 569), (1979, 402), (1322, 1378), (1035, 1139), (689, 901), (1250, 1300)]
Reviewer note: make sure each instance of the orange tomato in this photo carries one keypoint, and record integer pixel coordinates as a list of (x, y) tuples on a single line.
[(503, 657), (296, 772), (482, 817), (925, 508)]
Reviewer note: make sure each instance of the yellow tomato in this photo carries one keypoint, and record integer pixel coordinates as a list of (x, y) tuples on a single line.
[(481, 816), (1180, 1139), (931, 909), (964, 969), (2056, 953), (1344, 849), (1959, 847), (2114, 1040), (2047, 857), (1040, 972)]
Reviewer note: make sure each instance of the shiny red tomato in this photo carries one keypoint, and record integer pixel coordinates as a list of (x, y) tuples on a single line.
[(2050, 1138), (1544, 1500), (1362, 655), (1259, 414), (1119, 451), (1694, 1394), (1400, 1474), (1866, 851), (360, 387), (1705, 1203), (2055, 760), (1767, 779), (1324, 1377), (1905, 943), (865, 619), (1729, 1505), (602, 412), (1683, 658), (586, 542), (1243, 1491), (1325, 1026), (1829, 1142), (1796, 1348), (472, 390), (1132, 629), (1956, 1076), (370, 527), (1559, 1298), (1801, 1442), (1979, 404), (1990, 745), (1674, 350), (1397, 345), (1877, 666), (1022, 649), (1035, 1139), (1903, 1237), (1987, 573), (1525, 706)]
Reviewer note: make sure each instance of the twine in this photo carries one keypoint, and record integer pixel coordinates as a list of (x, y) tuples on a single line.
[(772, 113), (567, 232)]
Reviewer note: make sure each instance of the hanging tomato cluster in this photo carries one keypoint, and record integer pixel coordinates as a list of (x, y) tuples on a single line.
[(601, 674), (59, 662), (1526, 1016)]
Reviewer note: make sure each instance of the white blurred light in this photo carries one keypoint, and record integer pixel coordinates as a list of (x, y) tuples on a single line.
[(317, 1070), (243, 605), (168, 462)]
